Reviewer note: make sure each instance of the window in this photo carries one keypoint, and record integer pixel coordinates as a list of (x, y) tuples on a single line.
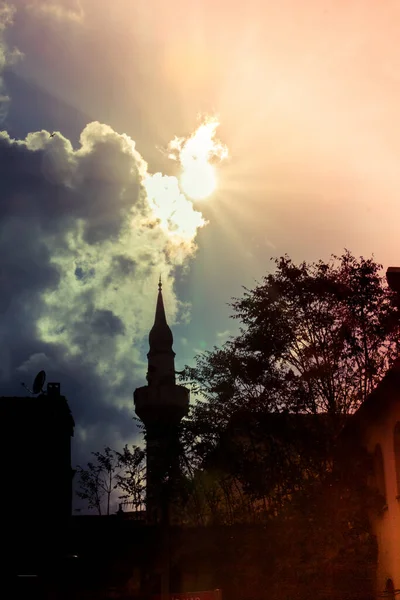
[(379, 472), (396, 442)]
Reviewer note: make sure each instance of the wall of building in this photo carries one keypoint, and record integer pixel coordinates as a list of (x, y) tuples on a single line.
[(386, 521), (245, 562)]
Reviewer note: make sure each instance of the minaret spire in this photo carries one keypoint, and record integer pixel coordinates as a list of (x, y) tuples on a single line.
[(161, 363), (160, 318)]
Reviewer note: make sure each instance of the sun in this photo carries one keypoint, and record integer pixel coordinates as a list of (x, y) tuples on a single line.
[(197, 156), (198, 181)]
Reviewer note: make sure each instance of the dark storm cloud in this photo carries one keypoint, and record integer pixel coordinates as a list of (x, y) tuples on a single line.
[(25, 265), (104, 323), (45, 179)]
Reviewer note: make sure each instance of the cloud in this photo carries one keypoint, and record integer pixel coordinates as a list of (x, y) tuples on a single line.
[(82, 245), (222, 336), (61, 10)]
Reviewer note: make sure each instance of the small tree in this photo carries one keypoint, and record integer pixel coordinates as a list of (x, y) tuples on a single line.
[(113, 471), (99, 479), (131, 478), (89, 485)]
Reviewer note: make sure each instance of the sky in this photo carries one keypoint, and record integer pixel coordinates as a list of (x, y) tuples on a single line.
[(306, 95)]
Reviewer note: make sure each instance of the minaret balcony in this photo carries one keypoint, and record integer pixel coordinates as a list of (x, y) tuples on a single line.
[(167, 402)]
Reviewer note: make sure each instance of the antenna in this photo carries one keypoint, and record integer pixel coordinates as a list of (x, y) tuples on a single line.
[(38, 383)]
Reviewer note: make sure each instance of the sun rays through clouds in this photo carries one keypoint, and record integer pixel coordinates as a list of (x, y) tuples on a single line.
[(98, 229)]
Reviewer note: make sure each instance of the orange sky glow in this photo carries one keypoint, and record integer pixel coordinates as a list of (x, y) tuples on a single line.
[(307, 94)]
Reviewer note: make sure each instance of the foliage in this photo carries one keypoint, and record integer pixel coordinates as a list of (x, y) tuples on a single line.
[(132, 477), (113, 471), (98, 480), (90, 489), (260, 462), (319, 544), (314, 338)]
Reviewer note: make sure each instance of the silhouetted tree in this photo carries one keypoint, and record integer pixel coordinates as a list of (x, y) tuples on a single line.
[(99, 479), (89, 485), (264, 439), (131, 479), (314, 338), (113, 471)]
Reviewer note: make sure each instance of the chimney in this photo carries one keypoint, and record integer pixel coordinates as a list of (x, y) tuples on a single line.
[(393, 278), (53, 389)]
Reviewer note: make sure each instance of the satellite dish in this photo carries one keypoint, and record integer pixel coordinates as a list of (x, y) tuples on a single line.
[(39, 382)]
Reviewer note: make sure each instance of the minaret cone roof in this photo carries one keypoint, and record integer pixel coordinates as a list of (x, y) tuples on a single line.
[(160, 337)]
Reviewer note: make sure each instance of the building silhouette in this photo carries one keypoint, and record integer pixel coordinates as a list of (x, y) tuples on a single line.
[(35, 447), (161, 406)]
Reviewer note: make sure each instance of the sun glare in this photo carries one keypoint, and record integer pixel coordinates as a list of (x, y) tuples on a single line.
[(197, 155), (198, 181), (170, 198)]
